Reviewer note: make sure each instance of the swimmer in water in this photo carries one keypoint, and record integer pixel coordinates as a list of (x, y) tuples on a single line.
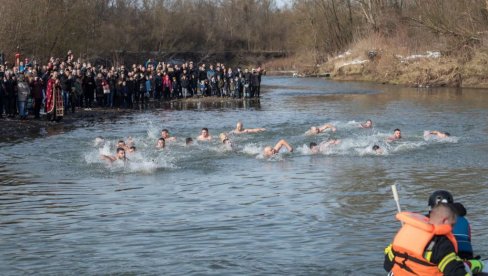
[(204, 136), (188, 141), (397, 135), (226, 141), (240, 129), (377, 149), (319, 129), (270, 151), (166, 136), (367, 124), (99, 141), (161, 143), (121, 144), (323, 145), (119, 156), (223, 136), (132, 149), (130, 142), (438, 134)]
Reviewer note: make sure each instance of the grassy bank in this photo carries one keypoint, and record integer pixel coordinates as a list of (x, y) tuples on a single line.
[(385, 61)]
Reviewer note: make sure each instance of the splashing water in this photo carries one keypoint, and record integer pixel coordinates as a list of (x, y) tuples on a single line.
[(213, 210)]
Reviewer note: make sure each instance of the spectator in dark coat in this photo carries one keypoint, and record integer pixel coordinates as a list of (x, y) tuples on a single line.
[(36, 93), (88, 86)]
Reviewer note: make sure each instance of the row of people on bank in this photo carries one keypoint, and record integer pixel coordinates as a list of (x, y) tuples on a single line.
[(80, 84)]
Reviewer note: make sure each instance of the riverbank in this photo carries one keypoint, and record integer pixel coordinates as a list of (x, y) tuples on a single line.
[(14, 129), (424, 69), (429, 68)]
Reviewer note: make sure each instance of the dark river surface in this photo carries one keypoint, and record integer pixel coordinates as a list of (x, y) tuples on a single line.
[(207, 210)]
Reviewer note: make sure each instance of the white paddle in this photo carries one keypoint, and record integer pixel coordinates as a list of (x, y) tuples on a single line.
[(397, 199)]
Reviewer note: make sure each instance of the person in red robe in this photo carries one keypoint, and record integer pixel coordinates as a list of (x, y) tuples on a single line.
[(54, 102)]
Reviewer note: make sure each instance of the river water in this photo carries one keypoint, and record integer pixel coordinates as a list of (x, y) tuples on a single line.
[(205, 209)]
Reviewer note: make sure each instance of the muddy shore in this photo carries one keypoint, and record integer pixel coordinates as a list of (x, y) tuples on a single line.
[(14, 129)]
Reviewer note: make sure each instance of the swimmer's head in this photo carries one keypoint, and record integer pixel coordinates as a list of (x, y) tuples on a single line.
[(121, 143), (226, 141), (314, 130), (447, 134), (314, 147), (397, 133), (161, 143), (188, 141), (268, 151), (99, 141), (204, 132), (132, 149), (377, 149), (164, 133), (368, 123), (120, 153), (223, 136), (239, 126)]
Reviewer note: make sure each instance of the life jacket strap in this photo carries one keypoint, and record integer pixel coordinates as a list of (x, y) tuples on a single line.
[(406, 257)]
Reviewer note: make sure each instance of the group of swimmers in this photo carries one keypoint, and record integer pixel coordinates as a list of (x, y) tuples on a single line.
[(268, 151)]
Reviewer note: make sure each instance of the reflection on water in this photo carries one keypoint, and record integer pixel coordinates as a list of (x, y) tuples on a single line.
[(206, 209), (209, 104)]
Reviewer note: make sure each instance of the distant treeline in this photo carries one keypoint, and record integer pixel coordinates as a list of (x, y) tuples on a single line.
[(106, 28)]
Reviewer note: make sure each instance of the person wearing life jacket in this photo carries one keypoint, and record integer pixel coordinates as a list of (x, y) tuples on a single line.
[(462, 228), (425, 246), (462, 232)]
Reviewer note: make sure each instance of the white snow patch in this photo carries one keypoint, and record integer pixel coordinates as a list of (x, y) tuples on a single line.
[(428, 54), (353, 62), (343, 55)]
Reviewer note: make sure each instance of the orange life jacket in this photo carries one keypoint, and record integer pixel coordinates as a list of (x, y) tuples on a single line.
[(411, 242)]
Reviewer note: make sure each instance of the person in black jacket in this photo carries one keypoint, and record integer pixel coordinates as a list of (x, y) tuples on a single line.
[(193, 78), (260, 74), (202, 79), (247, 83), (65, 82), (130, 83), (158, 86), (10, 85), (185, 86), (2, 91), (140, 87), (36, 92), (439, 256), (112, 82), (99, 89), (88, 86), (254, 84)]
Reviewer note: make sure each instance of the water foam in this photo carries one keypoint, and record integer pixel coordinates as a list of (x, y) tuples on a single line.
[(354, 141), (252, 149), (146, 159)]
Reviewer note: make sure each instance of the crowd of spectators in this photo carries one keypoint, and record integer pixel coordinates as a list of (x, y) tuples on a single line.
[(24, 86)]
